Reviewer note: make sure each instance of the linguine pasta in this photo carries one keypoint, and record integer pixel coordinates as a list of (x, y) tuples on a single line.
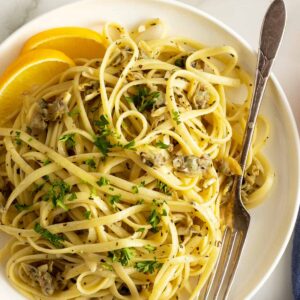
[(113, 173)]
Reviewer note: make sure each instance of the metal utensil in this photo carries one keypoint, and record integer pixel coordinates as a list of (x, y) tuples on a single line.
[(235, 233)]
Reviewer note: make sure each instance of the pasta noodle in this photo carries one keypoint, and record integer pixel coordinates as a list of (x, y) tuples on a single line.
[(113, 173)]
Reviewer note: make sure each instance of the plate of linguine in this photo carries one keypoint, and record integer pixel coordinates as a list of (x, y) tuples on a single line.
[(115, 169)]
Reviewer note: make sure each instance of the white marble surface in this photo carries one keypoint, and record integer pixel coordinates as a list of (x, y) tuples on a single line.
[(245, 17)]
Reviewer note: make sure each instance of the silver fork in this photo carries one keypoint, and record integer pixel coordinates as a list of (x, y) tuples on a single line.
[(239, 219)]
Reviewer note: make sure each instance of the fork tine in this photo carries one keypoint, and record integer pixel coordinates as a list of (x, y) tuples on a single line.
[(207, 288), (232, 264), (221, 280), (211, 280), (223, 270), (221, 262)]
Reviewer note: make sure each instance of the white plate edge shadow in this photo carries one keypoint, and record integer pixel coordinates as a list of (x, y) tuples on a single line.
[(273, 79)]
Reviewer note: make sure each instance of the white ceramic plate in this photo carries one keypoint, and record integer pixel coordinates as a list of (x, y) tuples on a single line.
[(271, 223)]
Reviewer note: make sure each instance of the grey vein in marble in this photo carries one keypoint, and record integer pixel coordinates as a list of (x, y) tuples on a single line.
[(18, 13)]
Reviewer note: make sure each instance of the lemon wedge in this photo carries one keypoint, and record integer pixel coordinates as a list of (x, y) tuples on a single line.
[(28, 71), (75, 42)]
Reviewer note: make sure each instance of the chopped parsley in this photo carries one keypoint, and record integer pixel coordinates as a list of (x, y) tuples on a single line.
[(161, 145), (72, 197), (154, 219), (54, 239), (139, 202), (142, 229), (135, 188), (102, 125), (68, 139), (46, 177), (47, 162), (130, 145), (150, 248), (176, 116), (129, 99), (154, 202), (20, 207), (101, 141), (161, 186), (57, 193), (103, 181), (180, 62), (102, 144), (88, 214), (123, 256), (91, 163), (148, 266), (18, 139), (164, 213), (143, 99), (113, 199), (73, 112), (106, 266)]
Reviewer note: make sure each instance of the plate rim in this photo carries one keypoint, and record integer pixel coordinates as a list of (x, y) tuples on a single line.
[(283, 99)]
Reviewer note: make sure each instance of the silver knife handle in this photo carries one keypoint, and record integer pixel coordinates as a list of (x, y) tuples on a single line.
[(270, 38)]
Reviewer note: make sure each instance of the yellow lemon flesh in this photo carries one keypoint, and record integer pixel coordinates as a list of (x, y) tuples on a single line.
[(75, 42), (27, 72)]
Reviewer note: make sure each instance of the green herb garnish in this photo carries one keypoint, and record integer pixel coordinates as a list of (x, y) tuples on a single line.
[(139, 202), (72, 197), (73, 112), (148, 266), (123, 256), (102, 124), (54, 239), (102, 144), (154, 219), (142, 229), (101, 141), (113, 199), (150, 248), (68, 139), (91, 163), (57, 193), (176, 116), (21, 207), (135, 188), (103, 181), (161, 145), (129, 99), (18, 140), (106, 266), (130, 145), (47, 162), (161, 186), (144, 99), (88, 214)]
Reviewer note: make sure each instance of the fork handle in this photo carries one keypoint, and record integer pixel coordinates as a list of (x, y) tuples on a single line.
[(270, 38)]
